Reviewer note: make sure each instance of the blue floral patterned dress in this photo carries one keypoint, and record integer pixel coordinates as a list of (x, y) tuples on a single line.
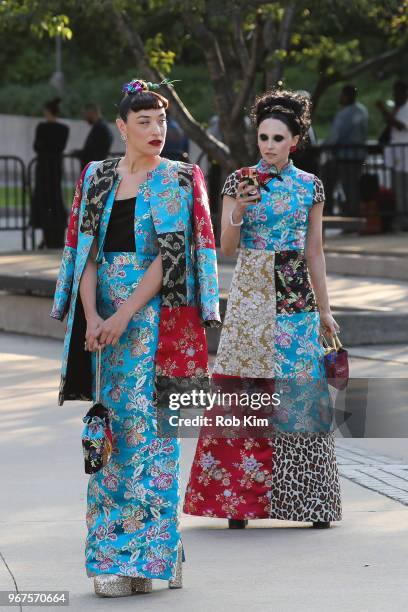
[(271, 332), (133, 502), (132, 512)]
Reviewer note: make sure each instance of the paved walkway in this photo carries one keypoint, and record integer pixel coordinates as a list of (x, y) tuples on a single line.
[(348, 293), (388, 244), (376, 472), (351, 293), (359, 564), (395, 244)]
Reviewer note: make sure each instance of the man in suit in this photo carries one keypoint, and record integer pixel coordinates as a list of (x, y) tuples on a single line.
[(99, 140)]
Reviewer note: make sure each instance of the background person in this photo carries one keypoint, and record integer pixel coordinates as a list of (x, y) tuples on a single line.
[(99, 140), (396, 155), (176, 145), (344, 165), (307, 157), (47, 204)]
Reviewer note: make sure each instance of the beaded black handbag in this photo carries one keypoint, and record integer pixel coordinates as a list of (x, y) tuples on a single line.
[(97, 434)]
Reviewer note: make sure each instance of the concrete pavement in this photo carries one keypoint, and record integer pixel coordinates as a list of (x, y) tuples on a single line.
[(369, 310), (359, 564), (373, 294), (395, 244)]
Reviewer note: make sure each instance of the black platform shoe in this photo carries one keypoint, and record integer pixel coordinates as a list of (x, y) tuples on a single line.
[(321, 525), (237, 524)]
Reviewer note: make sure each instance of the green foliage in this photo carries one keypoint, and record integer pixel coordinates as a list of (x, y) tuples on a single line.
[(160, 59), (24, 99), (40, 17), (369, 87), (335, 57), (83, 87), (194, 89), (30, 66), (327, 39)]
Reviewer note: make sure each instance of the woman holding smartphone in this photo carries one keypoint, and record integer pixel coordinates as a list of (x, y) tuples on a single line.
[(277, 308)]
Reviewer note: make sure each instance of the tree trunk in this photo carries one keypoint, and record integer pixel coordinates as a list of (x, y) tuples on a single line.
[(216, 149), (275, 73)]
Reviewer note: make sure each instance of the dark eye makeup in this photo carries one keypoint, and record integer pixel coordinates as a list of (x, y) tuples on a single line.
[(277, 138)]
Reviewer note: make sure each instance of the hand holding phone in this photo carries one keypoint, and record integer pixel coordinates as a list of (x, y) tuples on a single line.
[(250, 176)]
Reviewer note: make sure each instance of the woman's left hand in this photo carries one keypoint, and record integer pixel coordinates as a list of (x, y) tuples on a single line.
[(113, 327), (328, 324)]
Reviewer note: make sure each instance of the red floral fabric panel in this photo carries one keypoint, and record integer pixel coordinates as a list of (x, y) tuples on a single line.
[(203, 234), (72, 232), (182, 344), (230, 478)]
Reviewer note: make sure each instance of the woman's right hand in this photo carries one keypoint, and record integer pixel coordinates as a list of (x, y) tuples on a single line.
[(93, 330), (244, 199)]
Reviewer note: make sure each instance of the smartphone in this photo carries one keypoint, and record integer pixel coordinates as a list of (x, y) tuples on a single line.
[(250, 175)]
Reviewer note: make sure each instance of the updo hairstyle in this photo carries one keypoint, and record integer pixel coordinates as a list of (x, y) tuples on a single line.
[(290, 107)]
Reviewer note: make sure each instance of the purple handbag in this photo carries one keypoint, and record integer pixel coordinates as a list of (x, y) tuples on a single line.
[(336, 363)]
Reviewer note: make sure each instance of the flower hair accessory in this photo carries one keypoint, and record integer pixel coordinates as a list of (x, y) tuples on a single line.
[(136, 86)]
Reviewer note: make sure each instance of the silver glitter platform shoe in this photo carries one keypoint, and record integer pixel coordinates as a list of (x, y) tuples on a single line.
[(177, 581), (142, 585), (109, 585)]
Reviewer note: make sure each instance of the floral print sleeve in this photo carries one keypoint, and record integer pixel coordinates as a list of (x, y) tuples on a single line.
[(231, 185), (65, 278), (318, 191)]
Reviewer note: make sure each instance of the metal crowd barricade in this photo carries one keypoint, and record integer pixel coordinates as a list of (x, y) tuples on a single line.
[(348, 174), (351, 173), (13, 203), (395, 158)]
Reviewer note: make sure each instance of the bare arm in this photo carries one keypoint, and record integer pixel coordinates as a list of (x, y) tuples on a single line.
[(230, 234), (317, 267), (87, 286), (87, 291)]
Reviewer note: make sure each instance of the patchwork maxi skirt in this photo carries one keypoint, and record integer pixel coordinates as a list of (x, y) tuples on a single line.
[(270, 332), (132, 503)]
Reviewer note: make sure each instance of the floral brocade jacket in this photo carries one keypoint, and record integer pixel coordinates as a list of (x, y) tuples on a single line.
[(184, 238)]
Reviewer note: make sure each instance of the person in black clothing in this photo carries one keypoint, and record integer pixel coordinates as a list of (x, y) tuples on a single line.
[(47, 205), (99, 140), (307, 158), (176, 145)]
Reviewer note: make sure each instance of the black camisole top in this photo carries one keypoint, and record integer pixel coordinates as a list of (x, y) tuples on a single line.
[(120, 233)]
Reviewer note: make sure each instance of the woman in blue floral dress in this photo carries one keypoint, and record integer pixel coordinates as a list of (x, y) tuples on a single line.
[(275, 314), (138, 279)]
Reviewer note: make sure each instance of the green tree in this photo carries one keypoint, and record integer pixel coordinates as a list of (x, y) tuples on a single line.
[(247, 47)]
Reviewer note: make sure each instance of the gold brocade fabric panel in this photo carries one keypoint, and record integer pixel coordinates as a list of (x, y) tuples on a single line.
[(248, 333)]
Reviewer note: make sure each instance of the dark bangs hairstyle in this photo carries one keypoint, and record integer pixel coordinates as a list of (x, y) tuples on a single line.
[(141, 100)]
